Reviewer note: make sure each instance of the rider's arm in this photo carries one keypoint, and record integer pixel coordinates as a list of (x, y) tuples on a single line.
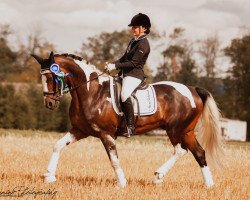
[(139, 58)]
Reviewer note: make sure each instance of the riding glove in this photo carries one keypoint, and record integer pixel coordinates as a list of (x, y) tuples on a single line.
[(110, 66)]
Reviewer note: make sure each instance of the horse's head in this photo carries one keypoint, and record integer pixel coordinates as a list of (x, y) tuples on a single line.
[(52, 81)]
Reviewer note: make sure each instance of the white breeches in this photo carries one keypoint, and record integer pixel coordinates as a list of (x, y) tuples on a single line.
[(129, 84)]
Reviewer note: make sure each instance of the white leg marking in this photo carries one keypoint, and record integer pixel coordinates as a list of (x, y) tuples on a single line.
[(164, 169), (51, 170), (207, 176), (122, 182)]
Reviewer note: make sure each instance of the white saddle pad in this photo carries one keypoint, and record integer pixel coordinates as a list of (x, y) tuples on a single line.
[(147, 101), (146, 98)]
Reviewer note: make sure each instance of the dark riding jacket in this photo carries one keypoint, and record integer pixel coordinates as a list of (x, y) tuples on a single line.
[(132, 62)]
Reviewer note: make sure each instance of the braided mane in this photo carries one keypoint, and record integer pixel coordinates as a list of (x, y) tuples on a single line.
[(70, 56), (85, 65)]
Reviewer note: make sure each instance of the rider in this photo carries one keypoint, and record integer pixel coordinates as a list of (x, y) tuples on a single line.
[(131, 66)]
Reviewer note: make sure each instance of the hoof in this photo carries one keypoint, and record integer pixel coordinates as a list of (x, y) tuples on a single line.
[(158, 178), (209, 185), (122, 184), (157, 181), (49, 178)]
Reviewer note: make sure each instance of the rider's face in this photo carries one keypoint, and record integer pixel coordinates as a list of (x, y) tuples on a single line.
[(137, 30)]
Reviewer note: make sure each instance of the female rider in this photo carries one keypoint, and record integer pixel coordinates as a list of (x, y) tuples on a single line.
[(131, 66)]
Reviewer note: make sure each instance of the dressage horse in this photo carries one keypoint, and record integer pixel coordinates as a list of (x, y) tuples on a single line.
[(91, 114)]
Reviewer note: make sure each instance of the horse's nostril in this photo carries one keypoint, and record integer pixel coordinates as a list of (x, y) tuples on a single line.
[(50, 104)]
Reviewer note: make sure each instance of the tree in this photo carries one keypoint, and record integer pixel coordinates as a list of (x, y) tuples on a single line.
[(108, 47), (209, 50), (7, 56), (15, 110), (105, 47), (174, 54), (36, 44), (238, 51), (187, 73), (5, 31)]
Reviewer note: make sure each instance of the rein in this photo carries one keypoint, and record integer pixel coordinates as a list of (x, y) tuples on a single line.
[(63, 88), (77, 86)]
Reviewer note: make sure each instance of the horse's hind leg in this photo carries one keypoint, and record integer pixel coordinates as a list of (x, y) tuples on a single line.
[(69, 138), (110, 146), (179, 151), (192, 144)]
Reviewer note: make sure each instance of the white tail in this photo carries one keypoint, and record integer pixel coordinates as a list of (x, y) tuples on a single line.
[(209, 133)]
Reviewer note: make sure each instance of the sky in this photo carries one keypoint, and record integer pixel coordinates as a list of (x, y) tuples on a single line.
[(67, 24)]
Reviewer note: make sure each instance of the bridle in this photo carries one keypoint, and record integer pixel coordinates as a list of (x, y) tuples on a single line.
[(59, 80)]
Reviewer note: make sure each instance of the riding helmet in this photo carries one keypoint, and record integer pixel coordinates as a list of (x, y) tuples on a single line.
[(140, 20)]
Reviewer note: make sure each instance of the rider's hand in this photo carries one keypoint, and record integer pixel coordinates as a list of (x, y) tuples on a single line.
[(110, 66)]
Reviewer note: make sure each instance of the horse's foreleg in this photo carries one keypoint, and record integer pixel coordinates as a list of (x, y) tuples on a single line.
[(110, 146), (51, 170), (164, 169), (199, 155)]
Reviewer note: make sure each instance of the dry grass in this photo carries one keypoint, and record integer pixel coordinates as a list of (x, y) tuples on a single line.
[(84, 171)]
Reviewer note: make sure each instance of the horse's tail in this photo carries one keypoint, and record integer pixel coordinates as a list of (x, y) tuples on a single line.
[(209, 131)]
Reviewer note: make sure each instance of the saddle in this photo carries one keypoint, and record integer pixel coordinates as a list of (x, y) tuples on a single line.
[(143, 98)]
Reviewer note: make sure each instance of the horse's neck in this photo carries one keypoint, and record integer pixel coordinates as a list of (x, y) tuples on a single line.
[(88, 95), (91, 83)]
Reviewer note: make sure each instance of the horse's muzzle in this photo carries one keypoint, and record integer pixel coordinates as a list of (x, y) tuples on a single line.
[(51, 102)]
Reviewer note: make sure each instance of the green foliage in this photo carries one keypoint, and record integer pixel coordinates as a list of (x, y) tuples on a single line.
[(238, 52), (209, 51), (176, 50), (15, 111), (105, 47), (173, 50), (187, 75), (26, 111), (163, 73), (108, 47), (7, 58)]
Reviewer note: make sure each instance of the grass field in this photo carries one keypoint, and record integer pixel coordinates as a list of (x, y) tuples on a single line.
[(84, 170)]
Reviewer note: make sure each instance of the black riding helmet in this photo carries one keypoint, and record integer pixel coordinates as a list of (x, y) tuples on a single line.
[(141, 20)]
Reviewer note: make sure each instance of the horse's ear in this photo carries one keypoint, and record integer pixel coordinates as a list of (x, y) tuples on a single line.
[(51, 57), (38, 59)]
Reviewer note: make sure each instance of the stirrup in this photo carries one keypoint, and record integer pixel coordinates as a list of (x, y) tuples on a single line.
[(129, 131), (126, 134)]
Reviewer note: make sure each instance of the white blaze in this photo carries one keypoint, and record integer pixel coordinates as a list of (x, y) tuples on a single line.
[(44, 83)]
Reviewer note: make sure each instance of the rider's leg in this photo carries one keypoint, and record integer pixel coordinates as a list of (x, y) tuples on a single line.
[(129, 84)]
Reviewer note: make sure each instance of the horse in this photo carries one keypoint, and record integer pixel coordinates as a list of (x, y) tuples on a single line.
[(91, 114)]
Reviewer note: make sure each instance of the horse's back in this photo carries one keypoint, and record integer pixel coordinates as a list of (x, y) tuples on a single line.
[(179, 104), (177, 93)]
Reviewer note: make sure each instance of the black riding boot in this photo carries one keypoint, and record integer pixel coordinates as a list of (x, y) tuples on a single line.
[(128, 111)]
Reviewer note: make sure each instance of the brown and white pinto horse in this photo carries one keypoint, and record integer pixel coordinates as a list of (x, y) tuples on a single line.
[(91, 114)]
